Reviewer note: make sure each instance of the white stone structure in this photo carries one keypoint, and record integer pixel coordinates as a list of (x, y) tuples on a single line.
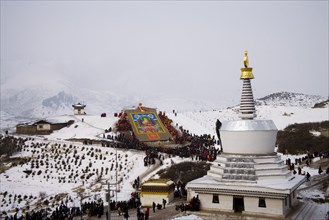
[(248, 177), (79, 109)]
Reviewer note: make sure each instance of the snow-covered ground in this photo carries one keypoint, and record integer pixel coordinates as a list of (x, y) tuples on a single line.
[(59, 166), (204, 121)]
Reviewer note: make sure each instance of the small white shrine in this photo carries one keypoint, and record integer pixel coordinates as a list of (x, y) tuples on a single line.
[(248, 177), (79, 109)]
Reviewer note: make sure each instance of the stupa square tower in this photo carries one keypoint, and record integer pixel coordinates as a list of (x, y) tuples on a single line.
[(248, 177)]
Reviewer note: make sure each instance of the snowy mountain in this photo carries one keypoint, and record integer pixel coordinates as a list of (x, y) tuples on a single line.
[(41, 98), (41, 101), (290, 99)]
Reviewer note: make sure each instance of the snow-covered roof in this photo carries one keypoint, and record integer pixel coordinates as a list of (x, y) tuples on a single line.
[(44, 121), (158, 182), (79, 105)]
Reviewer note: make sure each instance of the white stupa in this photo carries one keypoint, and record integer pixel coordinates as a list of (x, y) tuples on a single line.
[(248, 177)]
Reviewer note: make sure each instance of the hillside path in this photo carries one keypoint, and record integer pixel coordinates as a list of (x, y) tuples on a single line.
[(150, 169)]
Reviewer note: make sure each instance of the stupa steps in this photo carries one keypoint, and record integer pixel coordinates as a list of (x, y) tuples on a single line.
[(256, 167), (251, 168), (279, 168), (249, 171), (271, 176), (249, 176), (232, 177), (254, 159), (239, 178), (247, 163)]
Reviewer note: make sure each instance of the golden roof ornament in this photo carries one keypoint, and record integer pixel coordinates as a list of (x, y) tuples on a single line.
[(245, 60), (246, 72)]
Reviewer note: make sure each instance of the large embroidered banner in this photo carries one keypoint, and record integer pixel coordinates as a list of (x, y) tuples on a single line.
[(147, 126)]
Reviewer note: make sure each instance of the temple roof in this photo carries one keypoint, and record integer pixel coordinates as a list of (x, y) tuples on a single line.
[(79, 105), (158, 182)]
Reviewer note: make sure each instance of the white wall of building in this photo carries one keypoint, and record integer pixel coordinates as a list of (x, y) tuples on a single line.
[(43, 127), (273, 206), (148, 199), (225, 203), (79, 111)]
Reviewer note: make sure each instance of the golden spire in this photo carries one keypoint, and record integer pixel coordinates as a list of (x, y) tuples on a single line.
[(245, 60), (247, 105), (246, 72)]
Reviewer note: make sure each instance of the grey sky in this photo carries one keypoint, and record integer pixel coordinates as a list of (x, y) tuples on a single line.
[(178, 48)]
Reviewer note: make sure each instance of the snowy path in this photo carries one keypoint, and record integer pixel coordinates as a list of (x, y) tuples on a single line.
[(149, 170)]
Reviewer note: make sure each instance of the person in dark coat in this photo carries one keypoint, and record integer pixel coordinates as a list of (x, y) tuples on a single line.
[(218, 126), (320, 170), (153, 206), (164, 202)]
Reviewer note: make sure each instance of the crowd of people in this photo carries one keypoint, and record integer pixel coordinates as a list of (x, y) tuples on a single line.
[(306, 161), (193, 205), (91, 209), (62, 212), (168, 123), (197, 147)]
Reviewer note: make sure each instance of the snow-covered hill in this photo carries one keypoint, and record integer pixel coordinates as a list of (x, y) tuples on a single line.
[(42, 101), (61, 174), (57, 178), (290, 99)]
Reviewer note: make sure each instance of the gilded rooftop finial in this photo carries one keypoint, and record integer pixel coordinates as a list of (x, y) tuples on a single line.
[(246, 72), (245, 60)]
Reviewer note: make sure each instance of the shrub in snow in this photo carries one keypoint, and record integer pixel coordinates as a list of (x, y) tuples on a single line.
[(46, 202)]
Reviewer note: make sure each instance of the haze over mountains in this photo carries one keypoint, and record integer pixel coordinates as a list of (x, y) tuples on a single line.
[(40, 100)]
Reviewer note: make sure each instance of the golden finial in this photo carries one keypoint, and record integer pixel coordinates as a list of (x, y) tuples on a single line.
[(245, 60), (246, 72)]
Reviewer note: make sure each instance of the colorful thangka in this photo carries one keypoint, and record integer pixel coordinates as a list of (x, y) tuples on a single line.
[(147, 125)]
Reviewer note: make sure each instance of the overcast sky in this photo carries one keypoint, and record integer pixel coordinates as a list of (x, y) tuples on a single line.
[(176, 48)]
